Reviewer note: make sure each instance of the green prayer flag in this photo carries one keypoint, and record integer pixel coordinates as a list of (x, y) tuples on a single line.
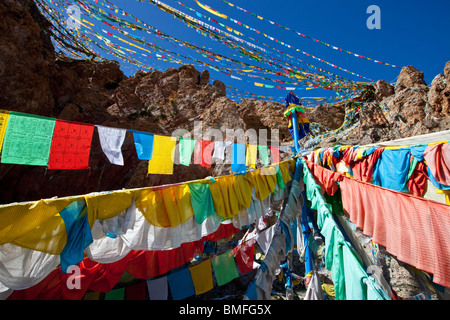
[(201, 200), (116, 294), (224, 267), (28, 139), (264, 154), (186, 147)]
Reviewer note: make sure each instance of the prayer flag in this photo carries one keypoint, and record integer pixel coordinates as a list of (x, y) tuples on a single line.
[(251, 155), (116, 294), (70, 146), (3, 123), (264, 154), (238, 158), (203, 152), (111, 141), (163, 155), (180, 284), (158, 288), (186, 147), (27, 139), (224, 267), (143, 143), (201, 200), (275, 154), (202, 277)]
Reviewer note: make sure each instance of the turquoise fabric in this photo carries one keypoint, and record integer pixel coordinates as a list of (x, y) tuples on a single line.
[(351, 282), (201, 200), (186, 146), (238, 157), (391, 169), (143, 143), (79, 234)]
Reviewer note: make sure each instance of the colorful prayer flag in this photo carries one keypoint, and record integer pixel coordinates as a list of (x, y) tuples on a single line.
[(163, 155), (186, 148), (111, 141), (27, 139), (143, 143), (202, 277), (71, 145), (224, 267)]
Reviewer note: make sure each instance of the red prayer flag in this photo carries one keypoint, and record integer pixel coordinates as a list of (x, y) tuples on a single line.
[(71, 145), (203, 153)]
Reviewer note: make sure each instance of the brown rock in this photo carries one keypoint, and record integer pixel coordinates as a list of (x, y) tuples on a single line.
[(383, 90), (410, 77)]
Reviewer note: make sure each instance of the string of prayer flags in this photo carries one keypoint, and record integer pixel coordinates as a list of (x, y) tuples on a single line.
[(224, 266), (158, 288), (180, 284), (163, 155), (27, 139), (202, 277), (251, 155), (71, 145), (238, 163), (203, 152), (143, 143), (3, 123), (186, 148), (111, 141)]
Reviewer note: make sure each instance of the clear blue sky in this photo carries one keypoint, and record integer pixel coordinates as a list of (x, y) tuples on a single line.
[(412, 33)]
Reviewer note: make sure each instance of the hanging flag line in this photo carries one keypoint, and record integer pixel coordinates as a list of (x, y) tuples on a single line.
[(171, 10), (300, 34), (119, 53), (137, 38), (127, 34), (273, 39), (59, 144)]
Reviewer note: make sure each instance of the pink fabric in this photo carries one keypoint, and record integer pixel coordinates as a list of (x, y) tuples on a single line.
[(438, 160), (413, 229), (327, 179)]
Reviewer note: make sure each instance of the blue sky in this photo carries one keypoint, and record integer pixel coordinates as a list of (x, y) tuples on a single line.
[(412, 33)]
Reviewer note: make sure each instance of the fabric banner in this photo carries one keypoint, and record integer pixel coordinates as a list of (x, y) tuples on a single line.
[(163, 155), (224, 267), (219, 149), (203, 152), (116, 294), (27, 139), (264, 154), (71, 145), (180, 284), (238, 158), (202, 277), (158, 288), (244, 255), (413, 229), (111, 141), (275, 151), (251, 155), (186, 147), (3, 123), (143, 143), (202, 201)]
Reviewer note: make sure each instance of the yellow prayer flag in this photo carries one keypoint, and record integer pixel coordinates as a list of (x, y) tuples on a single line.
[(251, 155), (202, 277), (163, 155), (3, 123)]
